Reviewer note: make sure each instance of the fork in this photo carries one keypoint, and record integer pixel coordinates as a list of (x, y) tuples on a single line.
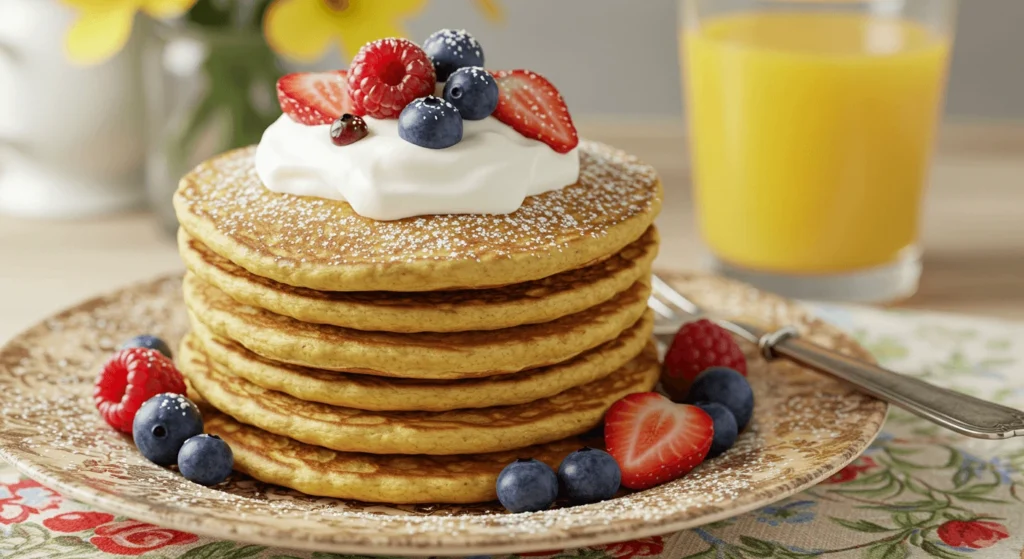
[(953, 410)]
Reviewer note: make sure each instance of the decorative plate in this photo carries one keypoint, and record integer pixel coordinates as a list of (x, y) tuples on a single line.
[(806, 427)]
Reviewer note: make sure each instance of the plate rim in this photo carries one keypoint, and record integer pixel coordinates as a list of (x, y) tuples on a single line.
[(411, 545)]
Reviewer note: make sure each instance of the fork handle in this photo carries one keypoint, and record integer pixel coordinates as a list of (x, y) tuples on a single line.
[(959, 412)]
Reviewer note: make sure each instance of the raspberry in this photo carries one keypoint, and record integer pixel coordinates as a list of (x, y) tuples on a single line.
[(388, 74), (128, 379), (696, 347)]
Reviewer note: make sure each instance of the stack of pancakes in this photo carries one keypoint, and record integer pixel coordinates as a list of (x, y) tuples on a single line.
[(409, 361)]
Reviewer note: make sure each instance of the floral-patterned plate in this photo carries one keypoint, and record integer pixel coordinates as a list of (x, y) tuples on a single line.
[(806, 427)]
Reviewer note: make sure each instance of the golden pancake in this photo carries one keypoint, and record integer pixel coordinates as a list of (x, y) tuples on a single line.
[(481, 430), (531, 302), (426, 355), (323, 244), (367, 392), (377, 478)]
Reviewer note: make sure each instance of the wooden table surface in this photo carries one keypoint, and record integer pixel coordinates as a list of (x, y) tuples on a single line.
[(973, 234)]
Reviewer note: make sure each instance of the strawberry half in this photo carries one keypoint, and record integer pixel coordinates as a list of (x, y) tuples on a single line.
[(533, 107), (314, 98), (655, 440)]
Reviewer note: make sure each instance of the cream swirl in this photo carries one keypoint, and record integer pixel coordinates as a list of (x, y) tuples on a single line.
[(491, 171)]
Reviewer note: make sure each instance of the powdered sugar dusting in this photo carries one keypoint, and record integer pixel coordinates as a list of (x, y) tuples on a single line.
[(806, 427), (613, 188), (456, 38)]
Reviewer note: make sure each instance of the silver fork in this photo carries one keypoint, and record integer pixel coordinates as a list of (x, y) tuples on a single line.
[(953, 410)]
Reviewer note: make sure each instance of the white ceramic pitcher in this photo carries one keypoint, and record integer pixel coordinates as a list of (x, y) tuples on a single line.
[(71, 137)]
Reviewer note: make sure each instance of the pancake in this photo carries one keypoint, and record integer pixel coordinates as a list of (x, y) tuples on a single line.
[(324, 245), (424, 355), (482, 430), (368, 392), (376, 478), (532, 302)]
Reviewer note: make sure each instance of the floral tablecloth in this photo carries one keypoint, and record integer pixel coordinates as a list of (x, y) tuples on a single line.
[(917, 492)]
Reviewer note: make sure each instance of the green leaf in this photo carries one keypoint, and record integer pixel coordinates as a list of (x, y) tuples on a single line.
[(223, 550), (891, 488), (917, 487), (323, 555), (982, 488), (245, 552), (1003, 394), (756, 547), (902, 451), (888, 550), (210, 13), (870, 479), (962, 477), (910, 506), (904, 519), (719, 524), (862, 525), (70, 541), (955, 459), (979, 499), (936, 551)]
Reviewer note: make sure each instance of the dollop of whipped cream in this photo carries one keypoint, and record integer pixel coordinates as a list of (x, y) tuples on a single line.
[(491, 171)]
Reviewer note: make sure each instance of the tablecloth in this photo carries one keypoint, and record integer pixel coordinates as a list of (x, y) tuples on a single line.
[(918, 491)]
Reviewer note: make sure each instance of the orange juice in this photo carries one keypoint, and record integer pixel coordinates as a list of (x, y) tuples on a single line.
[(811, 134)]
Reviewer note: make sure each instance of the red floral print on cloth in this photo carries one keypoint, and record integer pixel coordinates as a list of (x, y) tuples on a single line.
[(972, 534), (853, 470), (646, 547), (68, 522), (21, 499), (135, 538)]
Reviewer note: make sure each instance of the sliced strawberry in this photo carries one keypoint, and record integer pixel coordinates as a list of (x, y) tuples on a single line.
[(533, 107), (314, 98), (655, 440)]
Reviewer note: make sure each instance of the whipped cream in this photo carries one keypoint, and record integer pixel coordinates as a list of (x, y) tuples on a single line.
[(491, 171)]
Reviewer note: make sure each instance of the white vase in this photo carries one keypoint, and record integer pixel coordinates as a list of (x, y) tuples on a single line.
[(71, 137)]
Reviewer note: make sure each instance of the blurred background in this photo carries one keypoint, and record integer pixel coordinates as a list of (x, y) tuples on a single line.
[(631, 53), (105, 104)]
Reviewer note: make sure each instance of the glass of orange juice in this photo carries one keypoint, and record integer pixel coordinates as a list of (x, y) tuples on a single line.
[(811, 127)]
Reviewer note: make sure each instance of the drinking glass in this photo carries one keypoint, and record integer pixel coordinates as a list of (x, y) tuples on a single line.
[(811, 128)]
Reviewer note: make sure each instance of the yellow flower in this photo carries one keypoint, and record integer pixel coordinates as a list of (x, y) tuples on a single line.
[(491, 10), (304, 29), (103, 26)]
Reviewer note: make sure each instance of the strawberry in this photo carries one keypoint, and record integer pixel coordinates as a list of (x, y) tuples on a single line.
[(698, 346), (655, 440), (314, 98), (128, 379), (533, 107)]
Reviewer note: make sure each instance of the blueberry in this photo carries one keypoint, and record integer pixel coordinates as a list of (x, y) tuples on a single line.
[(430, 122), (725, 386), (206, 460), (725, 427), (151, 342), (527, 485), (589, 475), (473, 91), (163, 424), (451, 49)]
